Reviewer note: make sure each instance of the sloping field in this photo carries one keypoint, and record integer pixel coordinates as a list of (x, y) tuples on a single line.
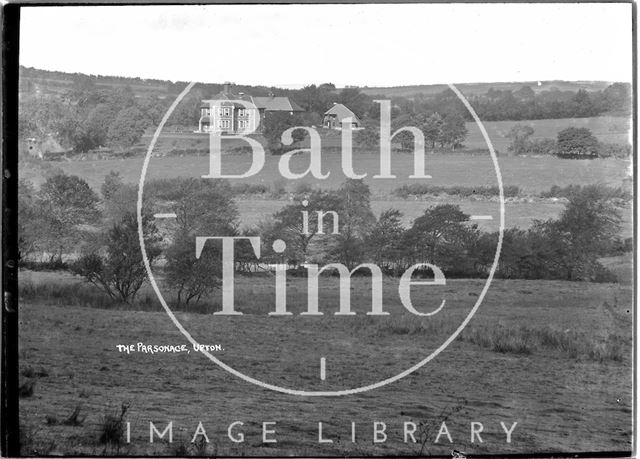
[(531, 174), (553, 395), (608, 129)]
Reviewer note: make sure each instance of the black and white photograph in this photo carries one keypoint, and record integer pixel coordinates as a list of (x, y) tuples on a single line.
[(319, 230)]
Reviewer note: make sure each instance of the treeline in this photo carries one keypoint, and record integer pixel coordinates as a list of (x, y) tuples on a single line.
[(86, 117), (91, 111), (494, 105), (570, 143), (96, 236), (525, 104)]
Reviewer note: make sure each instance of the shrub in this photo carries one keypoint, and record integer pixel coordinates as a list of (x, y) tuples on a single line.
[(27, 388), (74, 418), (570, 191), (249, 188), (112, 429), (577, 143), (303, 188), (120, 272), (278, 188), (417, 189), (614, 150), (542, 147)]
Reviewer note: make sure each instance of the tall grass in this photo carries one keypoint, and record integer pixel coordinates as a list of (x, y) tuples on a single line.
[(520, 340), (525, 340), (569, 191), (78, 294)]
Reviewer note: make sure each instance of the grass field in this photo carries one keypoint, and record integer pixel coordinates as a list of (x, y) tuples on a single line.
[(608, 129), (569, 389), (553, 356), (531, 174)]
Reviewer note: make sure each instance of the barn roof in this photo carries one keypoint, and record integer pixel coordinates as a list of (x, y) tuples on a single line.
[(341, 112)]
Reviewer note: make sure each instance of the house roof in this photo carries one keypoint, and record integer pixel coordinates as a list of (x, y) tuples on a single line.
[(268, 103), (341, 112), (276, 104)]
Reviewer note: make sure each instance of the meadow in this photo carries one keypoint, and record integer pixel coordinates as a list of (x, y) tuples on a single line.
[(608, 129), (553, 356), (532, 175)]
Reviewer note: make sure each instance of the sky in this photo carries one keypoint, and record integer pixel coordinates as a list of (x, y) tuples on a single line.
[(361, 45)]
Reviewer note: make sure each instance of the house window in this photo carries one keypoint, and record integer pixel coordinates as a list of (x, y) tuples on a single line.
[(225, 111), (224, 124)]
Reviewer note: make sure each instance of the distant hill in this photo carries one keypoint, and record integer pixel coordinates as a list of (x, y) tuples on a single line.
[(55, 82), (482, 88)]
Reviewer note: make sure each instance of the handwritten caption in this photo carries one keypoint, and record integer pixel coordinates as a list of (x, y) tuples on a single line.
[(167, 348)]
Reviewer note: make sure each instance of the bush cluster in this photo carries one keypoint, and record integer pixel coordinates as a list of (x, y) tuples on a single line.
[(417, 189), (566, 248)]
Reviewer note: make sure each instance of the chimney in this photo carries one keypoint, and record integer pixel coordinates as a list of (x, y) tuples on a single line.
[(227, 86)]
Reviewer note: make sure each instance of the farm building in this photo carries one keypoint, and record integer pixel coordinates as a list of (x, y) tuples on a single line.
[(234, 118), (49, 148), (334, 116)]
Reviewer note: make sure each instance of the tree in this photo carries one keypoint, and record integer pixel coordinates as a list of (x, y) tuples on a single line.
[(94, 130), (189, 276), (187, 113), (112, 183), (582, 104), (356, 220), (42, 117), (568, 247), (384, 242), (67, 203), (357, 101), (519, 135), (525, 93), (30, 221), (201, 205), (120, 270), (440, 236), (203, 208), (406, 139), (577, 143), (289, 224), (275, 124), (591, 220), (453, 132), (432, 129), (368, 138), (617, 97), (154, 108), (315, 99), (127, 128)]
